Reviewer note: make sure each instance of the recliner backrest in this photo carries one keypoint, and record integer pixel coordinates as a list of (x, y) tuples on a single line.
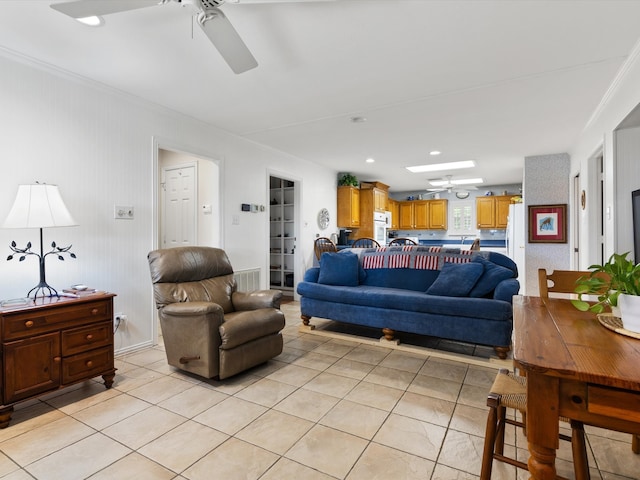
[(192, 274)]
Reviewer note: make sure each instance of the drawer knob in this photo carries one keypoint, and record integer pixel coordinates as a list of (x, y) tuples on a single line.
[(94, 311), (89, 337), (28, 323), (89, 363)]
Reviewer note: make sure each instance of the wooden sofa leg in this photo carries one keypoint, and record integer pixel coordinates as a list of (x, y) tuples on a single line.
[(388, 334), (306, 326), (502, 352)]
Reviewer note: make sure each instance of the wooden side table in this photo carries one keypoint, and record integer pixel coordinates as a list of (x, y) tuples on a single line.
[(53, 343)]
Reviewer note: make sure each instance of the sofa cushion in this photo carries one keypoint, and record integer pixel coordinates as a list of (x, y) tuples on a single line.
[(339, 269), (456, 279), (493, 274)]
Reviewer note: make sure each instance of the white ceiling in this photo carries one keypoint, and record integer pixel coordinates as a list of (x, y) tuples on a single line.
[(492, 81)]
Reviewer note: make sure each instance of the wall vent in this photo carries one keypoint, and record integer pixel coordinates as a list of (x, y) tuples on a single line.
[(248, 280)]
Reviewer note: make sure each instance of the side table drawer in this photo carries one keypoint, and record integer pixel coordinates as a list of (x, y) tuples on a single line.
[(87, 365), (78, 340), (29, 323)]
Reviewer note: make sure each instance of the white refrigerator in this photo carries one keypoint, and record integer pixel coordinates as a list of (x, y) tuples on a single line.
[(516, 240)]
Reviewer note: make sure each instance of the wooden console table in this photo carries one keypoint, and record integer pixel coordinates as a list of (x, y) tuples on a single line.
[(575, 368), (53, 343)]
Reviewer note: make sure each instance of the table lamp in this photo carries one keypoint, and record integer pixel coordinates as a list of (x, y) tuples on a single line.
[(39, 206)]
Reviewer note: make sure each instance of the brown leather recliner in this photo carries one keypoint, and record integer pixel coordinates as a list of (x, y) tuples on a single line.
[(208, 327)]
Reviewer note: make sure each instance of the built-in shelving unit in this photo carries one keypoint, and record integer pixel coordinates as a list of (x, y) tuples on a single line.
[(282, 240)]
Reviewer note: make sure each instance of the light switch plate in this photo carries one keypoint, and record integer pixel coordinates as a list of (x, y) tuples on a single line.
[(122, 212)]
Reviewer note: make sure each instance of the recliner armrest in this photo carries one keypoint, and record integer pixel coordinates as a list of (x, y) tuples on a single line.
[(187, 309), (257, 299)]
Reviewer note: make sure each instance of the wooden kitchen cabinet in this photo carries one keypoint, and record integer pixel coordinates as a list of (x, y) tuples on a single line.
[(492, 211), (406, 221), (394, 208), (53, 343), (373, 199), (438, 214), (348, 207), (423, 215), (502, 210)]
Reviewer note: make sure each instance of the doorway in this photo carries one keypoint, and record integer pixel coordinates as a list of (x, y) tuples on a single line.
[(189, 200), (283, 231)]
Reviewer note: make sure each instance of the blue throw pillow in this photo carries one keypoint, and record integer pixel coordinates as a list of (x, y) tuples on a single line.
[(492, 276), (456, 279), (339, 269)]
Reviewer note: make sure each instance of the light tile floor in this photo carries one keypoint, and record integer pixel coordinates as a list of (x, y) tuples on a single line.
[(327, 408)]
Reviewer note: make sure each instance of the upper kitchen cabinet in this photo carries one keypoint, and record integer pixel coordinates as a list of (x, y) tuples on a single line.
[(438, 214), (348, 207), (423, 215), (492, 211), (373, 199), (394, 208)]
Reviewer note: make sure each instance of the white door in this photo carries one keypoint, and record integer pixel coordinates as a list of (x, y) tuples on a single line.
[(179, 206)]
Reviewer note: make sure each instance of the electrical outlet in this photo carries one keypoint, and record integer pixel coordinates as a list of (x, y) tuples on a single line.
[(119, 319)]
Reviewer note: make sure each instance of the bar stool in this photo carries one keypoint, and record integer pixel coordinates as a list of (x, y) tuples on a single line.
[(510, 391)]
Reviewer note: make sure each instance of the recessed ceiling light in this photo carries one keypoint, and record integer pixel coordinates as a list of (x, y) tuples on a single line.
[(463, 181), (358, 119), (370, 160), (93, 21), (435, 152), (434, 167)]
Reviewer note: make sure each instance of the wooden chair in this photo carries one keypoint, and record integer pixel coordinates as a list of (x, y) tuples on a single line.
[(564, 282), (365, 243), (510, 391), (402, 241), (561, 281), (475, 246), (323, 244)]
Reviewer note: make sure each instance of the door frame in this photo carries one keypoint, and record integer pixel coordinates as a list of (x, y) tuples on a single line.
[(161, 143), (297, 209)]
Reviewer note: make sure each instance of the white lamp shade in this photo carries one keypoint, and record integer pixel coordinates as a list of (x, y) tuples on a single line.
[(38, 206)]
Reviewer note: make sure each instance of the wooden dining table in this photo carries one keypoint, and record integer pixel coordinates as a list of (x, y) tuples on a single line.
[(575, 368)]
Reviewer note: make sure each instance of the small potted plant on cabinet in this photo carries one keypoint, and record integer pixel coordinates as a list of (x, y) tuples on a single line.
[(348, 180), (617, 285)]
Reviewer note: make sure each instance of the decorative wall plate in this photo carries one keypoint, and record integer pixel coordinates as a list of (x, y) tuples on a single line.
[(323, 218)]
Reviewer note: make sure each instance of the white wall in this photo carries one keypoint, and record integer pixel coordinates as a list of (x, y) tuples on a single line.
[(627, 180), (621, 99), (98, 146), (546, 182)]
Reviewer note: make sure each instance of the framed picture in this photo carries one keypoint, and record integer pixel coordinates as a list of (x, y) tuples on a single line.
[(548, 223)]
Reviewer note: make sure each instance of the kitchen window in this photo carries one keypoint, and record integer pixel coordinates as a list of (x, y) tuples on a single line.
[(462, 217)]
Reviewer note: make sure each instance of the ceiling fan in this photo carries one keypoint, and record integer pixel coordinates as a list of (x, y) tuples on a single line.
[(450, 186), (211, 19)]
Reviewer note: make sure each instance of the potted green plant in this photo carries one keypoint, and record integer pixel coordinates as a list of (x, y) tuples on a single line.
[(617, 285), (348, 180)]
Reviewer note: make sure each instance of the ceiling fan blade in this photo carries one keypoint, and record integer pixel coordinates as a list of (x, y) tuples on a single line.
[(224, 37), (277, 1), (90, 8)]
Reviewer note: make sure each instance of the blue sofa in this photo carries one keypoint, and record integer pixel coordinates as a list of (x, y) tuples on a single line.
[(445, 293)]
